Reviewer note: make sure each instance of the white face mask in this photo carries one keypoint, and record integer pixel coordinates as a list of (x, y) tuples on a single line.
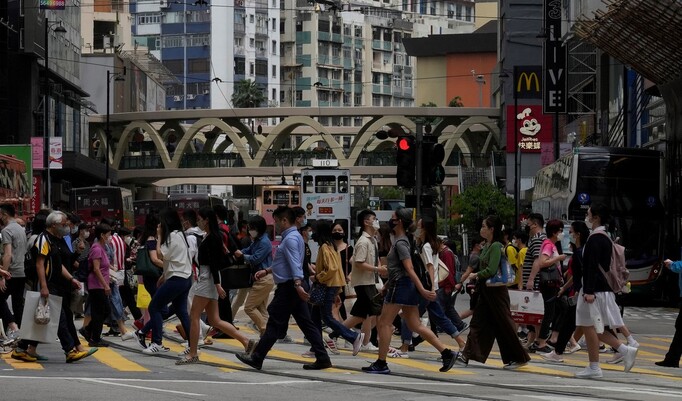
[(74, 230), (560, 237), (86, 235), (514, 242), (571, 237), (376, 225), (418, 233), (253, 233)]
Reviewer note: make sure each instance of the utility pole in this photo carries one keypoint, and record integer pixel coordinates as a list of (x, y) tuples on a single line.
[(418, 170)]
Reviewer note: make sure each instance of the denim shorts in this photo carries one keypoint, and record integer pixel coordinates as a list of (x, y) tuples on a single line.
[(402, 292)]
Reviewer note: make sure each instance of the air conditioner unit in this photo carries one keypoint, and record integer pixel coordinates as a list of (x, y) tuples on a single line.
[(163, 3), (191, 97), (177, 98)]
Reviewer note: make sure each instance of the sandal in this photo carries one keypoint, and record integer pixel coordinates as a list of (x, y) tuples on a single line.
[(187, 361)]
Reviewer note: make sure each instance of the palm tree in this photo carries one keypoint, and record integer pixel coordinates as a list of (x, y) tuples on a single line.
[(247, 94)]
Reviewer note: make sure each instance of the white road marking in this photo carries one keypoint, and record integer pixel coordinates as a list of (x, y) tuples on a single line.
[(143, 387), (109, 379), (408, 383)]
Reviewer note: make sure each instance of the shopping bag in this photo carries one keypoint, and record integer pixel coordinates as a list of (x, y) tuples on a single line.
[(42, 333), (527, 307), (143, 297)]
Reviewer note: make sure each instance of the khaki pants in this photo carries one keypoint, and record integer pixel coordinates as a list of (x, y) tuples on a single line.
[(256, 306), (238, 300)]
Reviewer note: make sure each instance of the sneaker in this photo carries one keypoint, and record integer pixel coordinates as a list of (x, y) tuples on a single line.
[(396, 353), (357, 344), (75, 355), (41, 358), (417, 340), (552, 357), (212, 332), (318, 365), (331, 346), (603, 349), (155, 348), (251, 346), (573, 349), (629, 359), (129, 335), (514, 365), (139, 324), (616, 358), (90, 352), (589, 373), (286, 340), (248, 360), (465, 327), (252, 326), (369, 347), (376, 368), (461, 360), (22, 355), (188, 360), (535, 348), (141, 339), (308, 354), (633, 344), (667, 364), (112, 333), (582, 343), (449, 359)]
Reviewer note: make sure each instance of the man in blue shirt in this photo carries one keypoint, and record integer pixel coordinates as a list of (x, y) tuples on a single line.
[(290, 297), (672, 357)]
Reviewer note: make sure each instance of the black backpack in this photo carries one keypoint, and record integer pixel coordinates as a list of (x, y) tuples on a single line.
[(30, 260), (418, 265)]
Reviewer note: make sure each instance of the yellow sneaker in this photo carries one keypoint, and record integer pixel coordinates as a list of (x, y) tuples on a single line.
[(23, 356), (75, 355)]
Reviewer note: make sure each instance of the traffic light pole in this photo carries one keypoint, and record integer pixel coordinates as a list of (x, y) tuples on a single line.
[(418, 188)]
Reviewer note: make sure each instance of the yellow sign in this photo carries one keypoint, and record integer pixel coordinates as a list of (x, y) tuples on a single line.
[(528, 79)]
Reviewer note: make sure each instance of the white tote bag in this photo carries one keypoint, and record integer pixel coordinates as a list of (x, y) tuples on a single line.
[(42, 333)]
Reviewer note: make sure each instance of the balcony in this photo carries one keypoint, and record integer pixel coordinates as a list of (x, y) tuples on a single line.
[(239, 51), (324, 36), (239, 29)]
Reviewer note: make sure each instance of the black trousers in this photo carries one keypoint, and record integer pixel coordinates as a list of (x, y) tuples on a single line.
[(99, 311), (224, 304), (128, 299), (492, 321), (15, 289), (284, 304), (549, 296), (566, 330), (675, 351)]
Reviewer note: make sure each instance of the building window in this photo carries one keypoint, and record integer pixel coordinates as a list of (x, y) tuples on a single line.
[(299, 95), (470, 14), (274, 24), (177, 67), (239, 42), (274, 94), (262, 68), (146, 19), (251, 18), (282, 26), (239, 66), (260, 45), (172, 41), (358, 31), (358, 99), (274, 73), (274, 47), (199, 66), (252, 69), (252, 43)]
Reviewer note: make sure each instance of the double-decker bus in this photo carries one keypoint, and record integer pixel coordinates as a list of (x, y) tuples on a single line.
[(141, 208), (193, 201), (631, 182), (14, 186), (272, 196), (325, 195), (93, 204)]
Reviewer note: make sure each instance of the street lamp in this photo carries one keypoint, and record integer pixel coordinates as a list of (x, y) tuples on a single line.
[(46, 107), (116, 76)]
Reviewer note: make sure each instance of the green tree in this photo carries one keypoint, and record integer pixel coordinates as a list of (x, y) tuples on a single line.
[(456, 102), (477, 202), (389, 192), (247, 94)]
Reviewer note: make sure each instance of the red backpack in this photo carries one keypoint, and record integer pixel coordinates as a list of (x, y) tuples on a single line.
[(449, 281)]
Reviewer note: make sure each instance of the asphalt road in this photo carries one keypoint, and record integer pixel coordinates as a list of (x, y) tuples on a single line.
[(123, 373)]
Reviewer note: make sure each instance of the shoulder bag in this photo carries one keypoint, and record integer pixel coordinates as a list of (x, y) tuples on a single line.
[(144, 266)]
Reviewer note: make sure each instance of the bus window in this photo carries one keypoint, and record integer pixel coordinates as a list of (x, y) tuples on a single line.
[(295, 198), (308, 186), (267, 198), (325, 184), (343, 184)]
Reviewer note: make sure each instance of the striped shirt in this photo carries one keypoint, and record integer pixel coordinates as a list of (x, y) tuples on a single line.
[(53, 259), (534, 245)]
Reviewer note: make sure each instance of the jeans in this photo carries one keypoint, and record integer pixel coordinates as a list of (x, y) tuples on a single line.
[(336, 326), (447, 302), (175, 291), (436, 315), (15, 289)]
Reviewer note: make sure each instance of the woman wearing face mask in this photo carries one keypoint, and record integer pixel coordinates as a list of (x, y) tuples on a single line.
[(346, 252), (259, 256), (207, 288), (81, 249), (98, 286)]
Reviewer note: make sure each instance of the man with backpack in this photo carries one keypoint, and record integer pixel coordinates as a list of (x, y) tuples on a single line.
[(12, 277), (597, 308), (447, 294)]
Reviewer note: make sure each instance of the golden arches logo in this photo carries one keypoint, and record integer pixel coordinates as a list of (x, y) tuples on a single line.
[(528, 78)]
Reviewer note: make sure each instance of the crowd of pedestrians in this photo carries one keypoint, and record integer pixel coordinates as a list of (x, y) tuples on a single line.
[(401, 277)]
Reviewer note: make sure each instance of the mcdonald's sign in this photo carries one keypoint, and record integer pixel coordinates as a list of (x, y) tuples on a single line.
[(528, 82)]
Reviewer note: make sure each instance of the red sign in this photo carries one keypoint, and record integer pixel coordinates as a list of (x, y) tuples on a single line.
[(534, 128), (35, 199)]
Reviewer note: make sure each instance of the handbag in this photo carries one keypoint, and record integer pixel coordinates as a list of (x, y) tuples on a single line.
[(144, 266), (317, 293), (236, 276), (443, 271), (42, 313), (550, 277), (505, 275)]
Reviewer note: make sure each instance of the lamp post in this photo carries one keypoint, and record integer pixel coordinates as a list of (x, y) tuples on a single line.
[(116, 77), (46, 107)]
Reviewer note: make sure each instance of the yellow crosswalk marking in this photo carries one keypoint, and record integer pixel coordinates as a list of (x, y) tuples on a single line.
[(206, 357), (117, 361), (21, 365), (413, 363)]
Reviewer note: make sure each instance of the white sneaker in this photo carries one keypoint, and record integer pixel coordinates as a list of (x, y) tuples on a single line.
[(617, 358), (571, 350), (582, 343), (552, 357), (369, 348), (129, 335), (589, 373), (629, 359), (155, 348), (357, 344), (633, 344)]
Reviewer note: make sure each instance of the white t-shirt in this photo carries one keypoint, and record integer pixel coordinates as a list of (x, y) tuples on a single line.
[(175, 253), (428, 257)]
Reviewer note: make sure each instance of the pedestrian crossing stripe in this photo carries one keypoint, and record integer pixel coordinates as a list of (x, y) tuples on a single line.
[(655, 346), (21, 365), (206, 357), (117, 361), (531, 368), (413, 363)]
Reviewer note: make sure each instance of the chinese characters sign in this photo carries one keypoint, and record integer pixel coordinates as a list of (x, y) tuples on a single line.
[(532, 128), (56, 160)]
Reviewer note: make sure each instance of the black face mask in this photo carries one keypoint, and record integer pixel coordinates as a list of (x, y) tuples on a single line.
[(338, 236), (391, 224)]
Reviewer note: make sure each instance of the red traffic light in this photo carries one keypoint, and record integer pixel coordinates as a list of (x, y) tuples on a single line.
[(404, 144)]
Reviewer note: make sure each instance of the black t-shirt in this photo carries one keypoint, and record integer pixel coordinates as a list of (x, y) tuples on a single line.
[(306, 262), (346, 255), (48, 246)]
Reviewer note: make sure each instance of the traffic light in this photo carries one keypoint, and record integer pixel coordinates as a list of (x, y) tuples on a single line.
[(406, 158), (433, 154)]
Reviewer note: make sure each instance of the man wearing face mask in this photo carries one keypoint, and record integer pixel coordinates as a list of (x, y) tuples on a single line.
[(51, 273), (12, 277), (259, 256)]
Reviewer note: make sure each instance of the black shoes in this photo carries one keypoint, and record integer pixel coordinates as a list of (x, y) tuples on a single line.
[(668, 364), (258, 365), (449, 359), (318, 365)]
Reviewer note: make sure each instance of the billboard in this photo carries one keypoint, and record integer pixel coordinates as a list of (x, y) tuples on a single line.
[(528, 82), (23, 153), (533, 128), (554, 93)]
